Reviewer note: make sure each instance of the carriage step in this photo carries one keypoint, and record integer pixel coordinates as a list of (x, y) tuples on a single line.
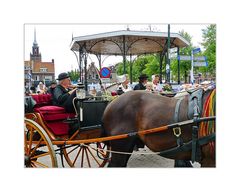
[(70, 120), (87, 128)]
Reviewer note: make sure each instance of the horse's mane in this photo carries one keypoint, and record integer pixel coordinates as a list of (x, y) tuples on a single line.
[(209, 109)]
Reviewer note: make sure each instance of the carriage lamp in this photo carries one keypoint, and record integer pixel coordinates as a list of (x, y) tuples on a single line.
[(81, 95), (80, 92)]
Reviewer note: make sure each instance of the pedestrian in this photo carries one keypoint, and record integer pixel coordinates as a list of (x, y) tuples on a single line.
[(52, 87), (142, 82)]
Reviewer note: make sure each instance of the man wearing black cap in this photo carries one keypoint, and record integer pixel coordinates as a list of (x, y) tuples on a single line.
[(52, 87), (64, 93), (142, 82)]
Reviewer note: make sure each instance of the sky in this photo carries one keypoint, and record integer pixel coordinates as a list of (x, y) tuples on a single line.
[(54, 40)]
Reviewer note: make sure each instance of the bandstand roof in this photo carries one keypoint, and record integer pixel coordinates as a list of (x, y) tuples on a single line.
[(136, 42)]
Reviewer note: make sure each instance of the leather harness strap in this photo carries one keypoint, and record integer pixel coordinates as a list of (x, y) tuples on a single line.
[(170, 153), (176, 116), (194, 111), (177, 131)]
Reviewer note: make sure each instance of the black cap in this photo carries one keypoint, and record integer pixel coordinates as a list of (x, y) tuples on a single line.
[(143, 76), (62, 76), (53, 82)]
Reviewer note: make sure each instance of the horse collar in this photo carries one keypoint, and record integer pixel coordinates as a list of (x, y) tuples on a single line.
[(197, 96), (176, 116)]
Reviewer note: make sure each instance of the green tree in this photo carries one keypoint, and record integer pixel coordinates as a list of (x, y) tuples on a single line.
[(148, 64), (74, 74), (152, 65), (209, 44), (185, 66)]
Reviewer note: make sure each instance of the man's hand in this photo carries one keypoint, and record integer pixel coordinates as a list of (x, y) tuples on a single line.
[(72, 86), (70, 92)]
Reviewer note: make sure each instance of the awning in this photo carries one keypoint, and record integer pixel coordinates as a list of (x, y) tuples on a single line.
[(136, 42)]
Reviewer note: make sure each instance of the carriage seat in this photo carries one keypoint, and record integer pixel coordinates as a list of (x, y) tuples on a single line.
[(53, 116), (42, 100)]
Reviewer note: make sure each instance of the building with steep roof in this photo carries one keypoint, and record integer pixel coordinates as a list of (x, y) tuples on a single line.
[(92, 74), (35, 70)]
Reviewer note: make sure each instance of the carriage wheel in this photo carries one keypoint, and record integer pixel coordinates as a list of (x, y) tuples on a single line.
[(86, 155), (38, 147)]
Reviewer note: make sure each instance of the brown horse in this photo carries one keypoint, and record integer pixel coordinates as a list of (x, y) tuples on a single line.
[(140, 110)]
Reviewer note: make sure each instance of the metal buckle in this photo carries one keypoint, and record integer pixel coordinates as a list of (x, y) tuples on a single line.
[(177, 131)]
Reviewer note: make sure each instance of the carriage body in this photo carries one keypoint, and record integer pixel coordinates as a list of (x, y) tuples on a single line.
[(46, 124)]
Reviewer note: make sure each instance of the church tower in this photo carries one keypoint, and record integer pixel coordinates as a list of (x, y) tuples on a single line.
[(35, 55)]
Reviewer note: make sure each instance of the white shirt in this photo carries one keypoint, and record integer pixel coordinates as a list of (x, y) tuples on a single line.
[(156, 87)]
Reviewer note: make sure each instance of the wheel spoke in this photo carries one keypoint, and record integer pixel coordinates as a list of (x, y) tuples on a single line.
[(89, 165), (25, 142), (35, 148), (40, 164), (41, 155), (33, 164), (80, 148), (82, 156), (93, 156), (30, 142), (73, 149), (39, 151)]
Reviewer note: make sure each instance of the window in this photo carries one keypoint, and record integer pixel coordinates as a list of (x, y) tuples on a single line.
[(27, 67), (48, 78), (43, 69)]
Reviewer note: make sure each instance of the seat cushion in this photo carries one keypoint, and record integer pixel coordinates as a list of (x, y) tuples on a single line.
[(42, 99), (53, 113), (50, 109)]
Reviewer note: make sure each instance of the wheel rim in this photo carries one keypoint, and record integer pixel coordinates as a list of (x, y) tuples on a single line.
[(91, 155), (38, 149)]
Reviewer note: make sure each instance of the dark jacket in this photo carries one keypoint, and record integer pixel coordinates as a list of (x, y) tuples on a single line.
[(60, 95), (139, 86), (50, 90)]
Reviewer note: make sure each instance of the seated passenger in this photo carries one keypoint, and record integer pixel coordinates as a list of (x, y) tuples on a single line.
[(149, 87), (52, 87), (41, 88), (155, 83), (124, 85), (64, 93), (142, 82)]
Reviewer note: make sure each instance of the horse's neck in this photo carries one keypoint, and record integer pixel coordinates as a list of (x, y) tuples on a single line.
[(209, 99)]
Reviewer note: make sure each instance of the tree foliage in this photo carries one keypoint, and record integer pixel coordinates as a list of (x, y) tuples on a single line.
[(185, 66), (150, 64), (74, 75), (209, 44)]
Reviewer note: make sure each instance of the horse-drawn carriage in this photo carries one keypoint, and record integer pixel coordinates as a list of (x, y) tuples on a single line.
[(106, 132), (49, 130)]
